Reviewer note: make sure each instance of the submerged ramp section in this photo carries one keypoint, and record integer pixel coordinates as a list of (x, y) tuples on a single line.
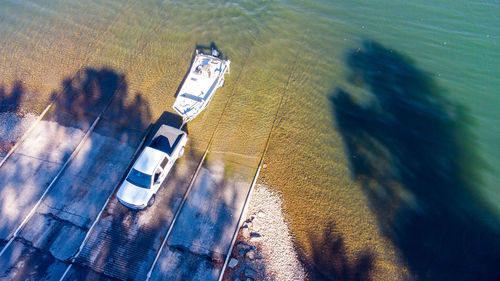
[(29, 170)]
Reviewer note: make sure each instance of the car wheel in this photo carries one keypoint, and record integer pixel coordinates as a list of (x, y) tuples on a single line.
[(181, 152), (151, 201)]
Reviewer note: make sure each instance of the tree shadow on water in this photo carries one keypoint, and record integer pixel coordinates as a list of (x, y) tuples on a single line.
[(332, 262), (10, 100), (91, 92), (9, 105), (412, 153)]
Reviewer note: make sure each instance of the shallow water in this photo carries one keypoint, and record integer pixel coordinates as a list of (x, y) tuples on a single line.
[(434, 63)]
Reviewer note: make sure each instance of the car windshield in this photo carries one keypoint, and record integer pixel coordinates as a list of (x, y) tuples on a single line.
[(140, 179)]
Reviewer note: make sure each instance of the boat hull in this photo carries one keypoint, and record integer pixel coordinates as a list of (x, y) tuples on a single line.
[(205, 76)]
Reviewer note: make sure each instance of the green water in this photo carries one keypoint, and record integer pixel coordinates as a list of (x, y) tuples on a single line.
[(298, 50)]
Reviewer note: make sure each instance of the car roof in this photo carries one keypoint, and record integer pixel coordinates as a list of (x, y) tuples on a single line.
[(148, 160), (167, 138)]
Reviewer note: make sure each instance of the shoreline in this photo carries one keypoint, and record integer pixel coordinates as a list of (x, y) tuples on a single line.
[(264, 248)]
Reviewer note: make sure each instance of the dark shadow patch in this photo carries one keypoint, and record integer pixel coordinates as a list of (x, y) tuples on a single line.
[(207, 49), (170, 119), (330, 259), (414, 156), (10, 100), (92, 92), (134, 113), (87, 93)]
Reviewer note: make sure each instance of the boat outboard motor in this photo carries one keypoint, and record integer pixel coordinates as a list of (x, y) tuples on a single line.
[(215, 53)]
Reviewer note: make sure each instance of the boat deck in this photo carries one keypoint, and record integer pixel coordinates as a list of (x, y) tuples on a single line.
[(203, 79)]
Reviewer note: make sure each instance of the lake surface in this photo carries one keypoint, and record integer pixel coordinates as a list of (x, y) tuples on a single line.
[(386, 150)]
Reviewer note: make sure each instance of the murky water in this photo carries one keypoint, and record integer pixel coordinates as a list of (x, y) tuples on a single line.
[(383, 103)]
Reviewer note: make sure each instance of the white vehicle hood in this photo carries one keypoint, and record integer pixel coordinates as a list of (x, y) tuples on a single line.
[(132, 194)]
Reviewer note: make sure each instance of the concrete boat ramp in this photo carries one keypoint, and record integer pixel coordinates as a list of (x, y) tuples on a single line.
[(124, 244), (60, 220), (199, 242)]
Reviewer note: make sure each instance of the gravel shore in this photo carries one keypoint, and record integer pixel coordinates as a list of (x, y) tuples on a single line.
[(264, 248)]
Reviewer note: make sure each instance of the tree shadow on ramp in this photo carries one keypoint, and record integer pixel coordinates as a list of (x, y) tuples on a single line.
[(11, 100), (74, 200), (10, 118)]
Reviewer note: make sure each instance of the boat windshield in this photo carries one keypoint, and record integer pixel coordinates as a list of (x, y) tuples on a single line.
[(140, 179)]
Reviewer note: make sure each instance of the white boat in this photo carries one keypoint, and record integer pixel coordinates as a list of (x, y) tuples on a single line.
[(205, 76)]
